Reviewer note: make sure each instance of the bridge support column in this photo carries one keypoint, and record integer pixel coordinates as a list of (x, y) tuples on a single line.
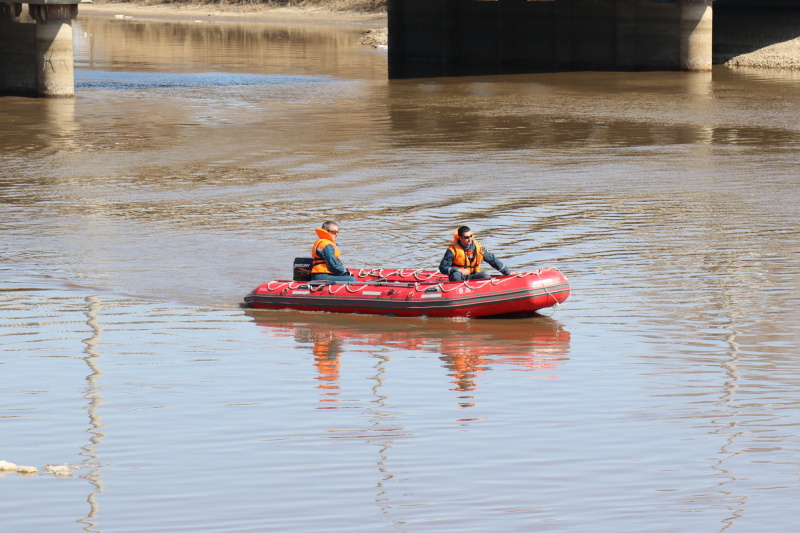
[(695, 35), (37, 58), (54, 54)]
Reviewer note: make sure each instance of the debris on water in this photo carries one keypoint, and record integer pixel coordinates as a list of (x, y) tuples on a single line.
[(59, 470), (6, 466), (376, 38)]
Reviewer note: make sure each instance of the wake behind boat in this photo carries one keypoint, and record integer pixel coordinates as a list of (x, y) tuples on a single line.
[(412, 293)]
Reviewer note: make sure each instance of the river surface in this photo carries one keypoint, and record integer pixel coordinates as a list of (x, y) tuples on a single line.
[(194, 163)]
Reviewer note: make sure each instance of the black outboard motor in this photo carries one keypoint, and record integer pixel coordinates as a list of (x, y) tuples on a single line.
[(302, 269)]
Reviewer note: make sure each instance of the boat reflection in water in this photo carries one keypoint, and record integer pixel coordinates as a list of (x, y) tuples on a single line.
[(467, 348)]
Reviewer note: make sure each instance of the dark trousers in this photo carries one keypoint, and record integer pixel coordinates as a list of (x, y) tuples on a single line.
[(458, 276), (331, 277)]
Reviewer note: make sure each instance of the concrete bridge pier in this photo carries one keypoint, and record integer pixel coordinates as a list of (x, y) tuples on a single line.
[(696, 29), (36, 59)]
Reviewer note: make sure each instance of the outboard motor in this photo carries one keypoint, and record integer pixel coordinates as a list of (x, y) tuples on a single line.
[(302, 269)]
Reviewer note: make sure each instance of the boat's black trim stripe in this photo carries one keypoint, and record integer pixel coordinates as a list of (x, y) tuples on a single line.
[(443, 302)]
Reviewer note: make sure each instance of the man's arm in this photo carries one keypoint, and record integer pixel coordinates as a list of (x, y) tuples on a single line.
[(495, 262), (446, 266), (334, 265)]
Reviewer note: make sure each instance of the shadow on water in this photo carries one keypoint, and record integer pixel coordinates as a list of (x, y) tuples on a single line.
[(467, 348)]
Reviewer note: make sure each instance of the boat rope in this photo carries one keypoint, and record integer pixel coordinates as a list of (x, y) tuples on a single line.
[(556, 304), (357, 286), (379, 272), (346, 286), (480, 284), (416, 287), (417, 274), (280, 284), (494, 281)]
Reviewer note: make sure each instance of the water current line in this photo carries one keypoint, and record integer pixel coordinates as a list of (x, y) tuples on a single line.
[(382, 497), (728, 398), (95, 422)]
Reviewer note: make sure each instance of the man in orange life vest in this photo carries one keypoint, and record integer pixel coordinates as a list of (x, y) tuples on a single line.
[(463, 258), (326, 264)]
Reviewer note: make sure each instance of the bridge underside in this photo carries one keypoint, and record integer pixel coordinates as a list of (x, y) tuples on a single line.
[(452, 37)]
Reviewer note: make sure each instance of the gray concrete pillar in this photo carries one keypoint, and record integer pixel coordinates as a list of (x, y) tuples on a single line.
[(54, 54), (696, 35)]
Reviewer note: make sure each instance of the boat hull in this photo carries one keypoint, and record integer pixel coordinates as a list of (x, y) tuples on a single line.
[(410, 293)]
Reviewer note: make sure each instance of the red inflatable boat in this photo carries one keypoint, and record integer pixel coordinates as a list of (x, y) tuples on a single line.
[(417, 293)]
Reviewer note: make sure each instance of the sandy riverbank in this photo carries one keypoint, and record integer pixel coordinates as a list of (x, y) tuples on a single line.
[(235, 13), (785, 55), (375, 32)]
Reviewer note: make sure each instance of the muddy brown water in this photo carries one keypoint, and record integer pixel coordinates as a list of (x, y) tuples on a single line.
[(196, 160)]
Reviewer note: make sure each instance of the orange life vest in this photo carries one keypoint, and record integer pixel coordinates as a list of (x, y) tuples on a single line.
[(463, 259), (318, 264)]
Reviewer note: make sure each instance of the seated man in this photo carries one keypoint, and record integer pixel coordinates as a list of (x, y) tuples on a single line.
[(463, 258), (325, 255)]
